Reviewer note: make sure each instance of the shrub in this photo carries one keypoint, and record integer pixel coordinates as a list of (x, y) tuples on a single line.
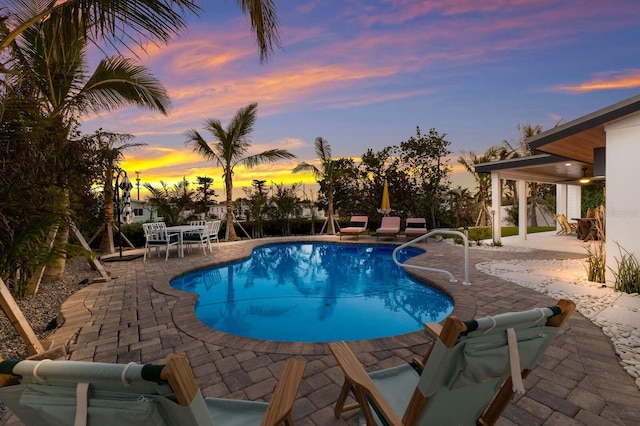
[(627, 275), (596, 262)]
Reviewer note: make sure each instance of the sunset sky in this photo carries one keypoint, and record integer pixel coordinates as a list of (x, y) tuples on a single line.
[(364, 73)]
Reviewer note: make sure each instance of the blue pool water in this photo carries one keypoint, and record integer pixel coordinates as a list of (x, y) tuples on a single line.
[(315, 292)]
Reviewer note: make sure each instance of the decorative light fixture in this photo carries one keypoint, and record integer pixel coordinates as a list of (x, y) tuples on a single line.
[(584, 178)]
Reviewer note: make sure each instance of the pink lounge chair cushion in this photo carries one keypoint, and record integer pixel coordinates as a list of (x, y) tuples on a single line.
[(356, 225), (389, 225)]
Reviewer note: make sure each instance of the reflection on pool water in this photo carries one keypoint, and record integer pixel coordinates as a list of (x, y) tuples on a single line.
[(315, 292)]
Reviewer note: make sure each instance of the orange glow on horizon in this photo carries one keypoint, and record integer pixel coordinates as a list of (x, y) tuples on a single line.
[(626, 80)]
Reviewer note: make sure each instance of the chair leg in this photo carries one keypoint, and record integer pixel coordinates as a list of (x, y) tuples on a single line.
[(342, 398)]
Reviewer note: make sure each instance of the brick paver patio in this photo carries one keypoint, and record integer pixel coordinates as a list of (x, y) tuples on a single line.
[(138, 317)]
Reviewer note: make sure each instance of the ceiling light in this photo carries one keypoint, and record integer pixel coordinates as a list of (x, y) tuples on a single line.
[(584, 178)]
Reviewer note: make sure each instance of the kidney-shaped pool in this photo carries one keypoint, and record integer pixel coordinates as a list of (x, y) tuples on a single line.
[(315, 292)]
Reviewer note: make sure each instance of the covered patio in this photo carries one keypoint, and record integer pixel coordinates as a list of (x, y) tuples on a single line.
[(599, 145)]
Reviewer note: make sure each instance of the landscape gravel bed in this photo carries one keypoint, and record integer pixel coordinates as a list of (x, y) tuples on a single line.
[(42, 309)]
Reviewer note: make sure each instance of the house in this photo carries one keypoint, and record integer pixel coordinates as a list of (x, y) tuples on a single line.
[(600, 145), (143, 211)]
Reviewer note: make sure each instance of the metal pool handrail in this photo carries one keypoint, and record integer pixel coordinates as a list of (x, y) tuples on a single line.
[(443, 271)]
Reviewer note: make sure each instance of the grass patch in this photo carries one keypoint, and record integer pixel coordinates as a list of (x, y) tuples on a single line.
[(478, 234)]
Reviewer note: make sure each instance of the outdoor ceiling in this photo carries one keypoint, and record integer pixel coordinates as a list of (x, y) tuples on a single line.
[(539, 168)]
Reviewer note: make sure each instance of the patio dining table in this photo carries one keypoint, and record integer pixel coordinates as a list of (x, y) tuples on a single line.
[(587, 228), (180, 230)]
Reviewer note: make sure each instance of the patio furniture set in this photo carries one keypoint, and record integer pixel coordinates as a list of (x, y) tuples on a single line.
[(157, 234), (591, 227)]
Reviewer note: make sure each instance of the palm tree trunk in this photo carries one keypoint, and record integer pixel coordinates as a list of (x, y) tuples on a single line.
[(231, 231), (331, 230), (106, 243), (55, 268)]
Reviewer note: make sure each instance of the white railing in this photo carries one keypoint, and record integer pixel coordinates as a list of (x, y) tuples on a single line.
[(442, 271)]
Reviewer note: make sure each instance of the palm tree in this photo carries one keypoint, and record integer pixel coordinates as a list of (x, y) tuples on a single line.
[(138, 20), (483, 180), (524, 150), (327, 172), (110, 148), (229, 149), (52, 61)]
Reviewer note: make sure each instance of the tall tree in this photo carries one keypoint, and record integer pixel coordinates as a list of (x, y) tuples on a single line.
[(326, 172), (229, 149), (109, 148), (204, 192), (425, 159), (53, 61)]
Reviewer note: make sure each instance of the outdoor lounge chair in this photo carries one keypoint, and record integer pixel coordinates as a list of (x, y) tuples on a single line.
[(468, 377), (416, 226), (569, 227), (357, 225), (93, 393), (390, 226)]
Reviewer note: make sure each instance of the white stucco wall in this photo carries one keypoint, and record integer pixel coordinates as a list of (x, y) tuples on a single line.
[(623, 192)]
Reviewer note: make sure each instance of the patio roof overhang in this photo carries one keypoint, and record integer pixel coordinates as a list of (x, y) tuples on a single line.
[(578, 138), (566, 149), (544, 168)]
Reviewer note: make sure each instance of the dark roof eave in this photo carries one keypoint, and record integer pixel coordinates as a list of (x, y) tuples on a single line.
[(589, 121), (535, 160)]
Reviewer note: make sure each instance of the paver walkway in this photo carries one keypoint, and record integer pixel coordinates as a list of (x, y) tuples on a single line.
[(138, 317)]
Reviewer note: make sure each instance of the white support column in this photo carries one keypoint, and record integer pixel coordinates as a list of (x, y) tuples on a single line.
[(561, 202), (522, 209), (496, 207)]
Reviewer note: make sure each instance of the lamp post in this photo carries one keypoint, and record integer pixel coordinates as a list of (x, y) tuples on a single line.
[(138, 184), (119, 173)]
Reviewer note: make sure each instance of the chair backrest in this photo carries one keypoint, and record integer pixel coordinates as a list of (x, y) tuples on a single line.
[(215, 227), (198, 223), (68, 392), (390, 222), (359, 222), (155, 231), (207, 230), (416, 222), (570, 227), (470, 364)]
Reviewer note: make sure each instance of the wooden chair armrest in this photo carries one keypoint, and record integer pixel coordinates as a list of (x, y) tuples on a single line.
[(284, 394), (356, 374)]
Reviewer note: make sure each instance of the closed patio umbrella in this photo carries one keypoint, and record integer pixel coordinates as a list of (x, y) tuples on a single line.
[(385, 205), (126, 214)]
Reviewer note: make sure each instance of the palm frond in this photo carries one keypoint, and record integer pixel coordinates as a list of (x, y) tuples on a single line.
[(323, 149), (308, 168), (139, 21), (118, 81), (268, 156), (264, 23)]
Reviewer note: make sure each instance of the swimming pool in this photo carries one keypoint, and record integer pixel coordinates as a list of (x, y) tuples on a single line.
[(315, 292)]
